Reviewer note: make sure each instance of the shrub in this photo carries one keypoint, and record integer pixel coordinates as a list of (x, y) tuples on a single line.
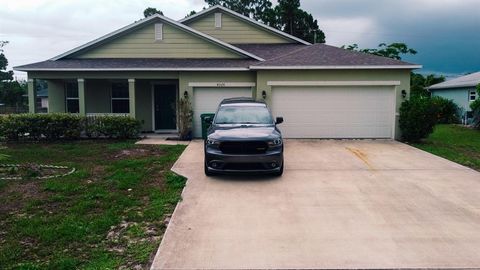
[(117, 127), (448, 111), (418, 116), (56, 126)]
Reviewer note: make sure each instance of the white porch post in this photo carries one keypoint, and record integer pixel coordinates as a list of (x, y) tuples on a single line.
[(81, 96), (131, 96), (32, 96)]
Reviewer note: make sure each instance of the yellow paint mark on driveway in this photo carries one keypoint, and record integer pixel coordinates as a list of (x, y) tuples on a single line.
[(362, 156)]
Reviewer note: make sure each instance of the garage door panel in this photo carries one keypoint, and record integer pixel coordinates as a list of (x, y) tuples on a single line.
[(335, 112), (206, 100)]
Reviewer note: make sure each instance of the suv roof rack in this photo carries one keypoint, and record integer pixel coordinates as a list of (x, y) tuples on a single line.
[(240, 100)]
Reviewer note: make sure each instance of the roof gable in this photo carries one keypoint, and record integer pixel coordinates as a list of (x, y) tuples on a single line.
[(137, 40), (237, 28)]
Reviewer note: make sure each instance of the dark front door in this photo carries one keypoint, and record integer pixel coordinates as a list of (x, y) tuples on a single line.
[(165, 106)]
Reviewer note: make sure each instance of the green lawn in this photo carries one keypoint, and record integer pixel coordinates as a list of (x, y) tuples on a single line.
[(110, 213), (456, 143)]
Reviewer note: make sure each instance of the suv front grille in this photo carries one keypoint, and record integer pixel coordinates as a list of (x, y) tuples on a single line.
[(248, 147)]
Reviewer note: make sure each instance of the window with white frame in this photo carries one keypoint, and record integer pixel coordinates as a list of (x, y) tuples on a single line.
[(72, 101), (472, 96), (120, 98)]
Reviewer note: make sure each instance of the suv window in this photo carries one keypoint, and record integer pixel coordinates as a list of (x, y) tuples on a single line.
[(243, 115)]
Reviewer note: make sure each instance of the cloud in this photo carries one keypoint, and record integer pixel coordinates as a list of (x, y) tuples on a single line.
[(445, 32)]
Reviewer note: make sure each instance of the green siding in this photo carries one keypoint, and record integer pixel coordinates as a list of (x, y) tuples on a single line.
[(98, 96), (235, 30), (56, 96), (141, 43), (143, 97)]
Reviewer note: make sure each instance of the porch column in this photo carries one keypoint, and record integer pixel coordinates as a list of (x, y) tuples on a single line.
[(81, 96), (131, 96), (32, 96)]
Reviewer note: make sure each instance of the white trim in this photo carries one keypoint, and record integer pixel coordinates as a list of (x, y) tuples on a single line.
[(131, 80), (80, 80), (165, 19), (338, 67), (31, 80), (221, 84), (134, 69), (245, 18), (394, 124), (333, 83)]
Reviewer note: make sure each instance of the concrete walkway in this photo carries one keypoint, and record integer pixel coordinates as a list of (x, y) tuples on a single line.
[(339, 204)]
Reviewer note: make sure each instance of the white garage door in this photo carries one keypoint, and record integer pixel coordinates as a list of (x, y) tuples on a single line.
[(206, 100), (335, 112)]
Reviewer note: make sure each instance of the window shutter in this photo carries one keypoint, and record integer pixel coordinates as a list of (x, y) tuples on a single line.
[(218, 20), (159, 31)]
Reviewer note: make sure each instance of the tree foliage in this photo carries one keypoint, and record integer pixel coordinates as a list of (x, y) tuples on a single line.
[(286, 16), (394, 50), (11, 91), (149, 11), (4, 74), (419, 83)]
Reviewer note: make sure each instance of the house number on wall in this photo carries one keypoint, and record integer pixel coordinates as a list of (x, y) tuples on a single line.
[(220, 84)]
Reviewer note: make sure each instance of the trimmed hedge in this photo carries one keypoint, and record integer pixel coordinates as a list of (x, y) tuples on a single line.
[(418, 116), (55, 126)]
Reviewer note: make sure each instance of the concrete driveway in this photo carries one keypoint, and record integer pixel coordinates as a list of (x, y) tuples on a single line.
[(339, 204)]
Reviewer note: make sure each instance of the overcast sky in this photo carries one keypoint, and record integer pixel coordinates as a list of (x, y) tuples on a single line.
[(446, 33)]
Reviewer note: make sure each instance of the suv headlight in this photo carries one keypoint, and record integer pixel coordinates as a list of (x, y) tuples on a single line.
[(212, 142), (275, 142)]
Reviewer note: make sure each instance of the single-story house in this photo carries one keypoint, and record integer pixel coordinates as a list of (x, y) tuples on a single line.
[(461, 90), (144, 68)]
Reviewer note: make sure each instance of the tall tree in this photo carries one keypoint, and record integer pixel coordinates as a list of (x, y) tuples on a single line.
[(11, 92), (4, 74), (419, 83), (286, 16), (393, 50), (149, 11)]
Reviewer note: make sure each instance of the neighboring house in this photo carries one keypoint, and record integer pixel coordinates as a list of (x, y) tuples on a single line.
[(461, 90), (144, 68)]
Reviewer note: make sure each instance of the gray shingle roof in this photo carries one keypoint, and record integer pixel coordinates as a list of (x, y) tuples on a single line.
[(325, 55), (464, 81), (276, 55)]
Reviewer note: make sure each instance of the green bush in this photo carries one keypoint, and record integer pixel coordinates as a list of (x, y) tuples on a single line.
[(448, 111), (57, 126), (418, 116)]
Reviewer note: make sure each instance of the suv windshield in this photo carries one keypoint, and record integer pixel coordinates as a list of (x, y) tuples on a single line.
[(243, 115)]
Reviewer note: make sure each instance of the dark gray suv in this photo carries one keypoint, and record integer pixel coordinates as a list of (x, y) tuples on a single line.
[(243, 137)]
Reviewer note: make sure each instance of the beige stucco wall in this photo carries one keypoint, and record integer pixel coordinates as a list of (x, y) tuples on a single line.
[(235, 30), (98, 93), (141, 43), (337, 75)]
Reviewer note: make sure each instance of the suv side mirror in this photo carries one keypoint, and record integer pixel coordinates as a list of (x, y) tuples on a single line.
[(279, 120)]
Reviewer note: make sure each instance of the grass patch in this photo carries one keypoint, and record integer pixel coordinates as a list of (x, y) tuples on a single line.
[(109, 213), (455, 143)]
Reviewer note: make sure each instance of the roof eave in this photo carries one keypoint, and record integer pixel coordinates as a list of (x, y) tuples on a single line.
[(245, 18), (338, 67), (133, 69)]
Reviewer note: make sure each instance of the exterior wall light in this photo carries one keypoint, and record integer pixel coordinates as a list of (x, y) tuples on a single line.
[(404, 93), (264, 94), (185, 94)]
